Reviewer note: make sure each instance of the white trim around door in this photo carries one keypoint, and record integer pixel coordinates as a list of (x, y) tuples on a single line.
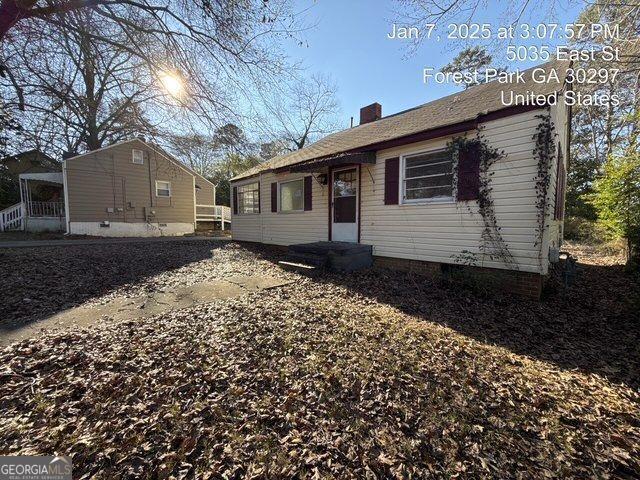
[(345, 197)]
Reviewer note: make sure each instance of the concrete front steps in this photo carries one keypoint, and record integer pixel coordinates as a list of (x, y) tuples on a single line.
[(311, 258)]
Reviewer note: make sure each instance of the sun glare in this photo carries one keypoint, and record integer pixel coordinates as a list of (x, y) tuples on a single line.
[(172, 84)]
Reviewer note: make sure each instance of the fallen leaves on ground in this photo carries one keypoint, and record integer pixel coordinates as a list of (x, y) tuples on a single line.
[(361, 376)]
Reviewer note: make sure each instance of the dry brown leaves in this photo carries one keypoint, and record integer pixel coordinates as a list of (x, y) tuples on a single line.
[(339, 377)]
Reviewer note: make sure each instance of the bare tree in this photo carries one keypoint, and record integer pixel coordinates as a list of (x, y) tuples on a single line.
[(207, 154), (198, 151), (9, 128), (604, 129), (80, 94), (214, 49), (303, 113), (273, 148), (418, 13)]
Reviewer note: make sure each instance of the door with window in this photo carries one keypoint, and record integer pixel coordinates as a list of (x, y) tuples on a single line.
[(344, 205)]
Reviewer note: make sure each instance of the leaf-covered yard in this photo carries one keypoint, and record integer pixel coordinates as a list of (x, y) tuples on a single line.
[(376, 374)]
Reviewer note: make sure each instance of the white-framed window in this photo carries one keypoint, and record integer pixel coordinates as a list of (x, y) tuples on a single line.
[(292, 195), (249, 198), (163, 189), (137, 157), (427, 177)]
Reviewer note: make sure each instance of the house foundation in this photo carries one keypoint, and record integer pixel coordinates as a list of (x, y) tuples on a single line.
[(523, 284)]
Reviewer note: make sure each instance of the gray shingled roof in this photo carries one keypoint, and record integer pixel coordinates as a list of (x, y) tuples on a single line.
[(449, 110)]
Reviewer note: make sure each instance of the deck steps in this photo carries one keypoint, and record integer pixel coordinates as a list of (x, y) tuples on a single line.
[(315, 259), (334, 256)]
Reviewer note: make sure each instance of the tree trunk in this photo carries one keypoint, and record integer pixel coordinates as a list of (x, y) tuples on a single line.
[(11, 11), (92, 139)]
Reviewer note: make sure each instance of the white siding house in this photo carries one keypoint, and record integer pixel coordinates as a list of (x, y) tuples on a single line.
[(394, 184)]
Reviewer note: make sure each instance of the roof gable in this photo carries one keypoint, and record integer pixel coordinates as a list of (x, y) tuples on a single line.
[(450, 110), (152, 146)]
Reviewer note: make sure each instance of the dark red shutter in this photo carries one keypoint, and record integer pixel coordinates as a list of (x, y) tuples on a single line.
[(391, 180), (259, 200), (308, 190), (235, 200), (274, 197), (469, 172)]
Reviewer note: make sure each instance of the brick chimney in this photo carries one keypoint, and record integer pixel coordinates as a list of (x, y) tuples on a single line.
[(370, 113)]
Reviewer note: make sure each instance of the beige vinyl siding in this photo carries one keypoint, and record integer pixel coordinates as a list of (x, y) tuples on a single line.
[(294, 227), (247, 227), (283, 228), (560, 117), (438, 231), (108, 178), (205, 195)]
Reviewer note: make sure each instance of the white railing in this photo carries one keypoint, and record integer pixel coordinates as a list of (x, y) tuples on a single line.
[(215, 213), (223, 212), (11, 218), (46, 209)]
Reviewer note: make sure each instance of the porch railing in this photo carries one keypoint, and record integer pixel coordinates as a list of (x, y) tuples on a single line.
[(45, 209), (212, 213), (11, 218)]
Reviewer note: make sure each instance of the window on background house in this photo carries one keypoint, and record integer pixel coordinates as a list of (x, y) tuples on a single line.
[(292, 196), (137, 157), (163, 189), (427, 177), (249, 198)]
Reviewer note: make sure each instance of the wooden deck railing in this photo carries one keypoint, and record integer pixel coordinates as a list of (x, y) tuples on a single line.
[(213, 213), (11, 218), (45, 209)]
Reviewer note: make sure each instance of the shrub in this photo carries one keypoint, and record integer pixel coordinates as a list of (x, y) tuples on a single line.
[(617, 201), (584, 230)]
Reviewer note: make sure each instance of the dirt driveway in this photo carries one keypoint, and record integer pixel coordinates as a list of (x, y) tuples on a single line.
[(376, 374)]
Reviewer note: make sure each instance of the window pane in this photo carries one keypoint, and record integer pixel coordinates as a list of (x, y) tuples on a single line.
[(249, 198), (291, 197), (163, 189), (427, 159), (428, 175), (436, 192), (345, 183), (436, 181), (425, 170)]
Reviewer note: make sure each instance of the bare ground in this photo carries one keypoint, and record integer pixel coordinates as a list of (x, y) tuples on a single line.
[(376, 374)]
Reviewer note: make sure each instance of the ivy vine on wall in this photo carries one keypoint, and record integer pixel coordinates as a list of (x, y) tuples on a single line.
[(492, 244), (544, 152)]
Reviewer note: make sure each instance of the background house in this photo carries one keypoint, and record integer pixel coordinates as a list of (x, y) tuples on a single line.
[(132, 188), (31, 161)]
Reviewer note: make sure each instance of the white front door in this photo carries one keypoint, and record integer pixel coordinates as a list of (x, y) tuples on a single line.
[(344, 205)]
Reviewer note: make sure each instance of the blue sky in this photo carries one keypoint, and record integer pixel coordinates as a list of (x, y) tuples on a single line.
[(349, 43)]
